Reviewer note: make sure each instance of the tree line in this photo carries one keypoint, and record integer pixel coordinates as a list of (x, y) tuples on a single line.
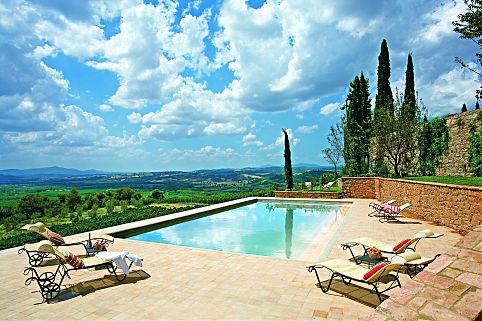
[(74, 207), (397, 139)]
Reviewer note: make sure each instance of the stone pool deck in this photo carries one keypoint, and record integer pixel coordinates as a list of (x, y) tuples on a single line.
[(180, 283), (449, 289)]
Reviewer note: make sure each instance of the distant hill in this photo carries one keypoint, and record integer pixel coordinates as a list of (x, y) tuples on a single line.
[(256, 177), (301, 166), (50, 171)]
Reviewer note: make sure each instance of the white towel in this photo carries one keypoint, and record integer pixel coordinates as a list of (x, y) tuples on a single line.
[(119, 259)]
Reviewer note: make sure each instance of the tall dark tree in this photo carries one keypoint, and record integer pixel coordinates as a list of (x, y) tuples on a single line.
[(384, 103), (384, 97), (357, 127), (477, 106), (409, 107), (469, 26), (365, 121), (464, 108), (288, 169), (351, 139), (395, 139)]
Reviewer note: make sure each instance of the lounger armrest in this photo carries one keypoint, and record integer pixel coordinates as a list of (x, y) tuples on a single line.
[(348, 245), (313, 266)]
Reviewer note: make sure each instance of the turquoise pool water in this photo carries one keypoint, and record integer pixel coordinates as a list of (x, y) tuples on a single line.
[(288, 230)]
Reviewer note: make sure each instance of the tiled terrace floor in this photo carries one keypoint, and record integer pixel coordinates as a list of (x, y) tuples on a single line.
[(184, 283)]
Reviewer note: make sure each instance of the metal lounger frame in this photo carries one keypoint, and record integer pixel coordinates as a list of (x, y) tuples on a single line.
[(387, 216), (51, 289), (347, 280), (35, 258), (414, 269), (378, 209)]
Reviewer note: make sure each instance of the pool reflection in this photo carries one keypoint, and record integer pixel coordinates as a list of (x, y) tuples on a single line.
[(283, 230)]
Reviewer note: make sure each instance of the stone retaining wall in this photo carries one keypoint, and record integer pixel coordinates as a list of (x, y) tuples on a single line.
[(308, 194), (358, 187), (455, 206), (450, 288)]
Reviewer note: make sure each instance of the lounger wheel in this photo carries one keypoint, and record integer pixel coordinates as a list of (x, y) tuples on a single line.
[(50, 291), (46, 277), (36, 259)]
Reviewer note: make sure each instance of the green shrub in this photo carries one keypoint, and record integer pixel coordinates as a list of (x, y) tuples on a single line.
[(432, 141), (475, 153), (80, 226)]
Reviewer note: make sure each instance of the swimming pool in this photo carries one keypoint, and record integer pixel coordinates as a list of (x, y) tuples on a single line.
[(281, 229)]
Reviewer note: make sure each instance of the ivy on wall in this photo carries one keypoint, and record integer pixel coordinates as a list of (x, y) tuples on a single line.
[(432, 141), (475, 149)]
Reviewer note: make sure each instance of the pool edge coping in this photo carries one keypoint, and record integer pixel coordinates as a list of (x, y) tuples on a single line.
[(143, 224)]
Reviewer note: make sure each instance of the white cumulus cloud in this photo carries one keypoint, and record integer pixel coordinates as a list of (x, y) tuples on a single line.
[(106, 108), (329, 108), (251, 140), (307, 129), (134, 118)]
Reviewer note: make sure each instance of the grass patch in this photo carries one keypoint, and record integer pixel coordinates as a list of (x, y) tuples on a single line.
[(458, 180)]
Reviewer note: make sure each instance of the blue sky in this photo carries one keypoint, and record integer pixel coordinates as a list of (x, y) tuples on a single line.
[(184, 85)]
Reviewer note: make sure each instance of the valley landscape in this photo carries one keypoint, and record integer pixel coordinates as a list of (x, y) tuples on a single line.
[(74, 201)]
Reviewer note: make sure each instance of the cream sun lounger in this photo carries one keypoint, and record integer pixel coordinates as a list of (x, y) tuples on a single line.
[(50, 282), (348, 271), (367, 242), (36, 259)]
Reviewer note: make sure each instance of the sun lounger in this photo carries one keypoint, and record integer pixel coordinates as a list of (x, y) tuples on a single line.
[(367, 242), (35, 259), (378, 208), (50, 282), (348, 272), (390, 212)]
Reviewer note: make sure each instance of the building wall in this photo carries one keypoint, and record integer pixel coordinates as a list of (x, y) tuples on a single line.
[(455, 160), (455, 206)]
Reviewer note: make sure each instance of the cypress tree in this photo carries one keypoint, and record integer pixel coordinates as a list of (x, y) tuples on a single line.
[(365, 121), (464, 108), (424, 145), (384, 104), (357, 127), (384, 97), (288, 169), (477, 105), (351, 145), (409, 107)]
